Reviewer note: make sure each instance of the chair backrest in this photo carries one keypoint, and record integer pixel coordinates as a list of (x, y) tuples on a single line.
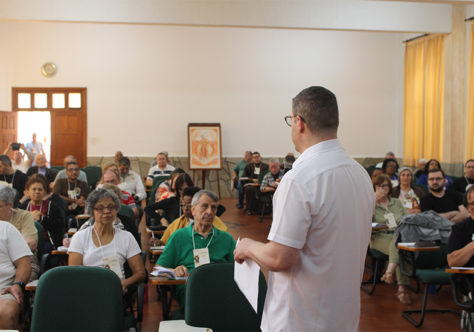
[(432, 259), (93, 174), (214, 300), (40, 230), (78, 298), (57, 168), (261, 175)]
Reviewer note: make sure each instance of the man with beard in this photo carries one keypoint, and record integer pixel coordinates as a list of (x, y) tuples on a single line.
[(446, 203), (463, 183)]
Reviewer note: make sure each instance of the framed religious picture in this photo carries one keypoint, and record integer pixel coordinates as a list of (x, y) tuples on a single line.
[(204, 146)]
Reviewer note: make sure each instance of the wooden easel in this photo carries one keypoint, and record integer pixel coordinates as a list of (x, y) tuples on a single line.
[(203, 178)]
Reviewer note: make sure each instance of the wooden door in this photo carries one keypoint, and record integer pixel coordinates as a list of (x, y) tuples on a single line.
[(68, 136), (68, 109), (8, 133)]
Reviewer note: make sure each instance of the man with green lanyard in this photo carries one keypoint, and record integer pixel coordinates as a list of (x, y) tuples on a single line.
[(199, 243)]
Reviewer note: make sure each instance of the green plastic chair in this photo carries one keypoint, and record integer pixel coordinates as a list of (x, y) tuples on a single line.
[(93, 174), (57, 168), (214, 300), (428, 267), (378, 260), (78, 298)]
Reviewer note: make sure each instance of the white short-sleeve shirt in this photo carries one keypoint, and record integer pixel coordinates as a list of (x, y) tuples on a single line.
[(12, 247), (324, 207), (124, 246)]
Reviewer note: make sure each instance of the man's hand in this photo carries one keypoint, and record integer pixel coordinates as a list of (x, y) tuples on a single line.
[(181, 271), (80, 200), (16, 291), (154, 242), (240, 252), (124, 285)]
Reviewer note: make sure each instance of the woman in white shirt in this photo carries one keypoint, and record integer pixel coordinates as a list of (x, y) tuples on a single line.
[(104, 245)]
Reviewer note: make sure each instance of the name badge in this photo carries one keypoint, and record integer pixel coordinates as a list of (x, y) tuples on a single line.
[(71, 194), (408, 204), (201, 257), (112, 263), (256, 171), (390, 220)]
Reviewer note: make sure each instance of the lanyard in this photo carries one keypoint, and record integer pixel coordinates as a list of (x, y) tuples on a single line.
[(69, 187), (194, 245), (13, 178), (100, 243)]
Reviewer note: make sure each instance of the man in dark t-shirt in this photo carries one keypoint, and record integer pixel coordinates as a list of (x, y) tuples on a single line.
[(72, 190), (447, 204), (15, 178), (461, 244), (461, 184)]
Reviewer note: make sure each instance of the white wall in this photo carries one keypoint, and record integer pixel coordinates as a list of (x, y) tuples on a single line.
[(146, 82)]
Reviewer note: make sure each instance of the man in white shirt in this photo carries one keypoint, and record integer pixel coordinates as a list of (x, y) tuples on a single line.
[(321, 227), (18, 160), (34, 147), (131, 181), (15, 269), (161, 168)]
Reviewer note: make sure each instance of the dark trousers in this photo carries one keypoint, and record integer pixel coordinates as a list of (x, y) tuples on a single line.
[(251, 202)]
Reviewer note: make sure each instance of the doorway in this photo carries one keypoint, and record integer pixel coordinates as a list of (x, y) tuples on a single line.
[(39, 123)]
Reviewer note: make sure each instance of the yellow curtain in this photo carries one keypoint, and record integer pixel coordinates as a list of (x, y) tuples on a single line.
[(469, 153), (424, 99)]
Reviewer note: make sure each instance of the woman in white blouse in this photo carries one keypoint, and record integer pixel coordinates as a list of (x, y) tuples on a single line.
[(104, 245)]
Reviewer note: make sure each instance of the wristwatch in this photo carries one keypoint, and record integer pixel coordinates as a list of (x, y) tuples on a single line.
[(20, 283)]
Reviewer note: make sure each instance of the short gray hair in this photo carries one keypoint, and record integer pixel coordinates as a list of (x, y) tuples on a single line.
[(274, 160), (97, 195), (198, 195), (7, 194)]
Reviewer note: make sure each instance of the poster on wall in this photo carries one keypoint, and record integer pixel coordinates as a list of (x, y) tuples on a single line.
[(204, 146)]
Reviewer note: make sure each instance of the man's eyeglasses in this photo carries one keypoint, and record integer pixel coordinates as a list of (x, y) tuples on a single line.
[(101, 209), (289, 119), (383, 186), (435, 179), (73, 169), (185, 206)]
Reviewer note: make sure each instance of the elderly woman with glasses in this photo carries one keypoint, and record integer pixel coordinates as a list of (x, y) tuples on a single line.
[(388, 211), (104, 245)]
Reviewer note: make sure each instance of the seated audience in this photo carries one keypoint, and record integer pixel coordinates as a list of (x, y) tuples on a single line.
[(408, 194), (237, 173), (168, 209), (130, 180), (109, 166), (16, 179), (446, 203), (186, 218), (15, 271), (390, 167), (433, 164), (388, 211), (124, 220), (388, 155), (19, 162), (105, 246), (461, 184), (62, 173), (461, 244), (167, 189), (252, 171), (421, 167), (118, 155), (110, 177), (272, 179), (161, 168), (41, 168), (45, 211), (199, 243), (23, 222), (375, 173), (288, 162), (72, 190)]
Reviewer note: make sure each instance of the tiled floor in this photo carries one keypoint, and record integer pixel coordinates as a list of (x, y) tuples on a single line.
[(379, 312)]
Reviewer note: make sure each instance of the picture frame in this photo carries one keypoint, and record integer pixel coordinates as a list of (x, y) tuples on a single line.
[(204, 146)]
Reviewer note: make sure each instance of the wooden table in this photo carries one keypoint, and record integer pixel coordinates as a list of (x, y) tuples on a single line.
[(160, 232), (156, 252), (31, 286), (418, 249), (59, 252), (379, 227), (163, 287), (451, 270)]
